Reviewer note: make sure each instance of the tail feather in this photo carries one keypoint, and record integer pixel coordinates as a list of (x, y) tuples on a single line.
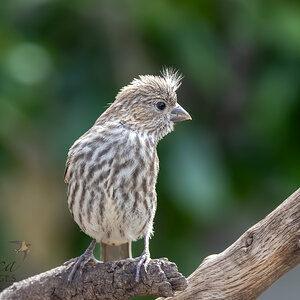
[(112, 253)]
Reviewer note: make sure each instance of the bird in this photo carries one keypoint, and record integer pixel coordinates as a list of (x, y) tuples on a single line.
[(111, 170), (24, 247)]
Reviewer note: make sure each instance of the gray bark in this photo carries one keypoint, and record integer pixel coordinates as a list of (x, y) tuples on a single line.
[(111, 280), (244, 270)]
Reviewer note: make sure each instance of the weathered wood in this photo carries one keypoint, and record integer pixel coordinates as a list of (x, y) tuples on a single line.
[(257, 259), (244, 270), (111, 280)]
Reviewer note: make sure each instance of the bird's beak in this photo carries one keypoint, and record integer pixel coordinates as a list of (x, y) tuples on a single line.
[(179, 114)]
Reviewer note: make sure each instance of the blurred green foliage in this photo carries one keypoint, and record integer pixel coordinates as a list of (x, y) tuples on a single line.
[(61, 62)]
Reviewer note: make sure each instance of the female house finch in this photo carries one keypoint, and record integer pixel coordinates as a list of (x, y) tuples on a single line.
[(111, 170)]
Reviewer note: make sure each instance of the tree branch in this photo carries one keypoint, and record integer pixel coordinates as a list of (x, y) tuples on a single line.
[(244, 270), (111, 280), (257, 259)]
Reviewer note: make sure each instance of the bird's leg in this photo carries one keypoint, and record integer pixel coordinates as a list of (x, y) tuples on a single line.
[(79, 262), (144, 259)]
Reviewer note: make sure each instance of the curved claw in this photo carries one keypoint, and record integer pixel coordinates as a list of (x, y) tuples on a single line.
[(69, 261), (129, 260), (144, 260), (80, 262)]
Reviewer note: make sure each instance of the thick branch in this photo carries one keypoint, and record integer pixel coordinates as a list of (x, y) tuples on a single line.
[(244, 270), (111, 280), (258, 258)]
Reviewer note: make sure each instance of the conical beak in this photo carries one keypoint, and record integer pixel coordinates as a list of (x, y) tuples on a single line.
[(179, 114)]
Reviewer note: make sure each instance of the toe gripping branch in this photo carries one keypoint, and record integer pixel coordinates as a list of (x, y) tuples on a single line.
[(110, 280), (127, 279), (79, 263)]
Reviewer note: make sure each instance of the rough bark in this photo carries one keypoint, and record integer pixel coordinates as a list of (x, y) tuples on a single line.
[(244, 270), (111, 280), (257, 259)]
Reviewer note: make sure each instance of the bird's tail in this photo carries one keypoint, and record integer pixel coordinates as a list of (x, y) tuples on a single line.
[(111, 253)]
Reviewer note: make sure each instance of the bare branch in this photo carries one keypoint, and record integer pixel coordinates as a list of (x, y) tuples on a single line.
[(244, 270), (257, 259), (111, 280)]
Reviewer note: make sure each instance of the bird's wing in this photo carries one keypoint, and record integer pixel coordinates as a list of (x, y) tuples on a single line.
[(16, 242), (66, 176), (69, 159)]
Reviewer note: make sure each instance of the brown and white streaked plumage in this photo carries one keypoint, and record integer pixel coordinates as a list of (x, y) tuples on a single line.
[(112, 169)]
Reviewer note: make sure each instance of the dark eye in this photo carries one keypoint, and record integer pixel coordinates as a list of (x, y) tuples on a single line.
[(161, 105)]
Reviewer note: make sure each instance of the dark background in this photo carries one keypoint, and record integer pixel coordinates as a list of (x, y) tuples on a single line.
[(61, 62)]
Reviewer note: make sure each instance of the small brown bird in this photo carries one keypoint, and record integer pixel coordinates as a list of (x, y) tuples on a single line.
[(23, 247), (111, 170)]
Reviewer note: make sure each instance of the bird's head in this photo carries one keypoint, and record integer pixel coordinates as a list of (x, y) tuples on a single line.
[(149, 104)]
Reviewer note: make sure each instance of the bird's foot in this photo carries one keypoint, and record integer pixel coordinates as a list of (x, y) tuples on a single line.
[(143, 260), (80, 262)]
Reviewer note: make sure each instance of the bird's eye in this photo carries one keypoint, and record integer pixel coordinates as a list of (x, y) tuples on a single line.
[(161, 105)]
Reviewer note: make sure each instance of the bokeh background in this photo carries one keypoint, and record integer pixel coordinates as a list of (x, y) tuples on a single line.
[(61, 62)]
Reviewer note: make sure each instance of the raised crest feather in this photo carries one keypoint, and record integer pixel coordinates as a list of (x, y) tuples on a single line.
[(172, 77)]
